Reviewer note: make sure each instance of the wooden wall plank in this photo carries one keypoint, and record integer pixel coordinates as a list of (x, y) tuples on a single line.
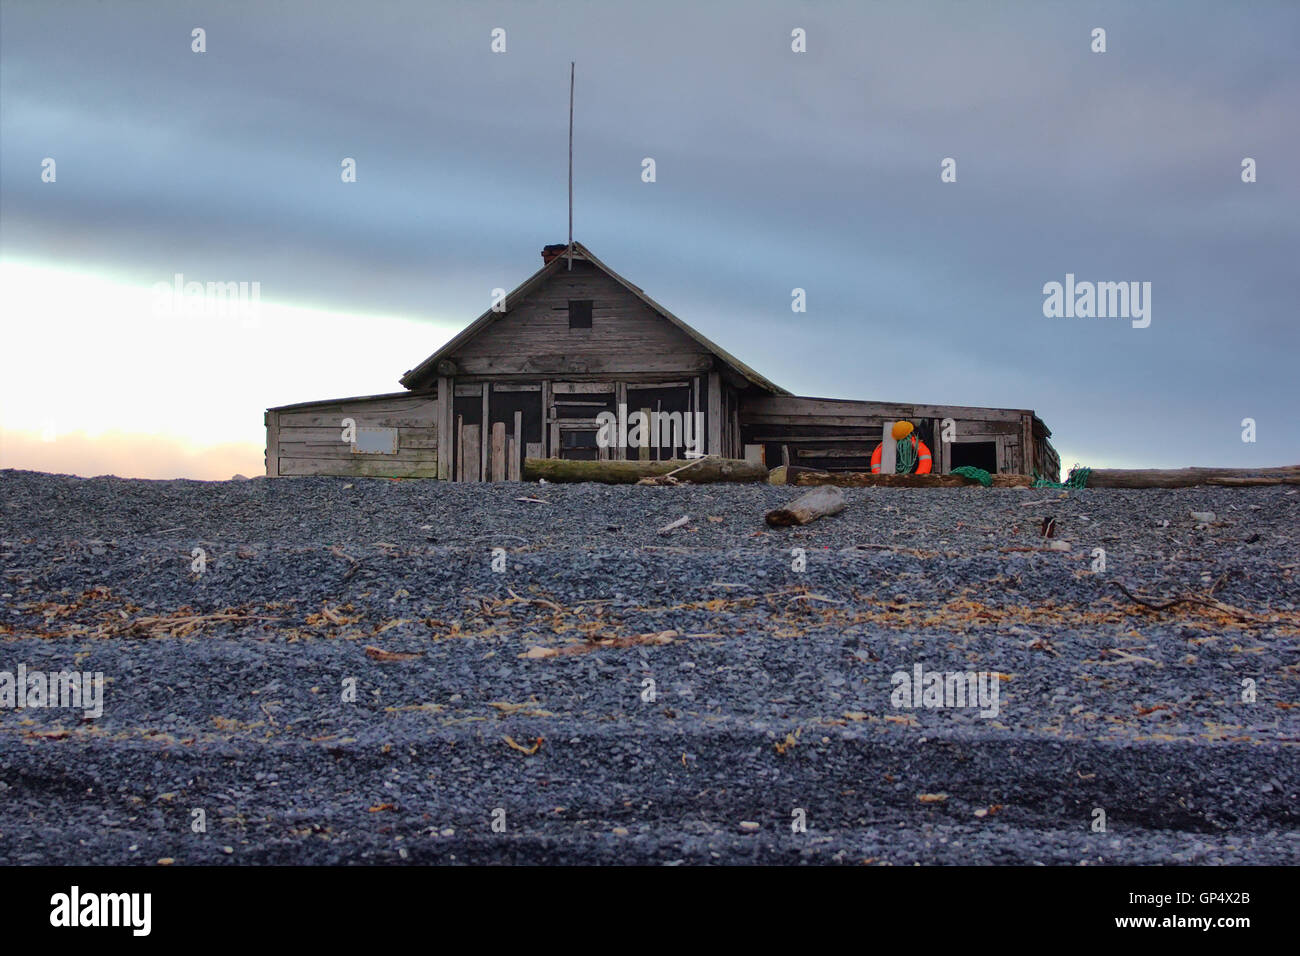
[(546, 418), (360, 466), (757, 408), (1026, 463), (459, 463), (515, 444), (581, 388), (334, 436), (334, 421), (643, 451), (498, 451), (888, 449), (624, 357), (443, 416), (472, 459), (713, 419), (272, 420), (486, 435), (296, 449), (620, 401)]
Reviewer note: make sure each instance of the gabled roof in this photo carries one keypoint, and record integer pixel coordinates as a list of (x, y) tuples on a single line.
[(426, 369)]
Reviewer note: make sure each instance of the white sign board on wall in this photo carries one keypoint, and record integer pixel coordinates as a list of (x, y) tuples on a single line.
[(375, 441)]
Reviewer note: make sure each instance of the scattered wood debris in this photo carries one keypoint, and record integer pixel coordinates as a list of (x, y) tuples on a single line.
[(355, 565), (528, 751), (818, 503), (791, 740), (379, 654), (594, 643), (668, 478), (1202, 599)]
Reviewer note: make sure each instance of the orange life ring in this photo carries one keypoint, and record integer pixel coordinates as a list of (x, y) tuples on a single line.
[(923, 460)]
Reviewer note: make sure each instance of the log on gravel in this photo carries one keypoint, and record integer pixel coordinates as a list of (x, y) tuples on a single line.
[(786, 474), (1187, 477), (700, 471), (859, 479), (809, 507), (1254, 482)]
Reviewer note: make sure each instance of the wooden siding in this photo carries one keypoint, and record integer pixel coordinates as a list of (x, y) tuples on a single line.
[(306, 439), (841, 435), (533, 337)]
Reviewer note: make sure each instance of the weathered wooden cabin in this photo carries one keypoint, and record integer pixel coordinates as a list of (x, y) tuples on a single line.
[(532, 376)]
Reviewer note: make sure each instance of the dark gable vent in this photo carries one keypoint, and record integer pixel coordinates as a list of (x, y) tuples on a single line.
[(580, 313)]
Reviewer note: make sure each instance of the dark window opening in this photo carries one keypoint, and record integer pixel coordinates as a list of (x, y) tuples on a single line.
[(578, 445), (580, 313), (980, 454)]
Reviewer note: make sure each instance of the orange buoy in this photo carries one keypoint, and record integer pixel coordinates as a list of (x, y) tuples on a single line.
[(923, 460)]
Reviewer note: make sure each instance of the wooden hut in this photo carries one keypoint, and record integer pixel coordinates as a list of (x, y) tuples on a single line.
[(576, 345)]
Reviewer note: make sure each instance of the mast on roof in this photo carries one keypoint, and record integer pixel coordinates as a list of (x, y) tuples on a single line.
[(570, 250)]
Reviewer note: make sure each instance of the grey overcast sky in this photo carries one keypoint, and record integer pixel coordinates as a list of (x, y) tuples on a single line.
[(775, 170)]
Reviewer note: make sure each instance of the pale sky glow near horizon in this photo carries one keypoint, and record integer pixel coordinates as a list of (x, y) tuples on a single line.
[(192, 385), (775, 170)]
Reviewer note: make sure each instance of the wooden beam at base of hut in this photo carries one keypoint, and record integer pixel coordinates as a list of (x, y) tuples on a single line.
[(864, 480), (1187, 477), (702, 470)]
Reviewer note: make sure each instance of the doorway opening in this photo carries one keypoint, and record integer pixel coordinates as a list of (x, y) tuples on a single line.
[(978, 454)]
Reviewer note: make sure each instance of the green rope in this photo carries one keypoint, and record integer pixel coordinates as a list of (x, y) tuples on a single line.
[(905, 456), (971, 473), (1078, 478)]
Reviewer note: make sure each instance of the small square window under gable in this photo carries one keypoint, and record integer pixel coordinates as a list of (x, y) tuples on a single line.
[(580, 313)]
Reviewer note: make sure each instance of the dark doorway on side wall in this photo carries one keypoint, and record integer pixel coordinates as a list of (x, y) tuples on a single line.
[(979, 454)]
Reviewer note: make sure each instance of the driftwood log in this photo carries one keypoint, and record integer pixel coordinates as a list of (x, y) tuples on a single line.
[(858, 479), (1254, 482), (809, 507), (786, 474), (702, 470), (1187, 477)]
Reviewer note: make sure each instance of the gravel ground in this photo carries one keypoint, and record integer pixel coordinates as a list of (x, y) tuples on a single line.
[(524, 695)]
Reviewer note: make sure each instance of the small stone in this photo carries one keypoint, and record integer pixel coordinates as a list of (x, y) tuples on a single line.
[(227, 850), (1205, 517), (620, 831), (748, 826)]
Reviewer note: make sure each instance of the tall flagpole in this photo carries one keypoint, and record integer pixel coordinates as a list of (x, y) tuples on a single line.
[(570, 165)]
